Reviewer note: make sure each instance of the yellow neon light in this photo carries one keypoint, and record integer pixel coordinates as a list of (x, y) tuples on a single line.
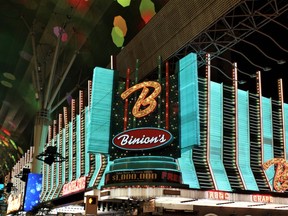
[(143, 100)]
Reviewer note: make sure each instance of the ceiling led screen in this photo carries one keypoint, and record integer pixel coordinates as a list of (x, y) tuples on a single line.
[(33, 191)]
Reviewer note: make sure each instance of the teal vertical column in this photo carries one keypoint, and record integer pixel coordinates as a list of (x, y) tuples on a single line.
[(78, 147), (70, 128), (64, 155), (268, 151), (100, 111), (87, 156), (189, 117), (244, 142), (216, 138), (285, 113)]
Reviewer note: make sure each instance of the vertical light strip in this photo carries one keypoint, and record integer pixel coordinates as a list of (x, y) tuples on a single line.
[(126, 100), (81, 132), (167, 95), (89, 86), (259, 91), (78, 146), (208, 77), (87, 155), (64, 153), (281, 99), (159, 98), (235, 85), (70, 168), (136, 81)]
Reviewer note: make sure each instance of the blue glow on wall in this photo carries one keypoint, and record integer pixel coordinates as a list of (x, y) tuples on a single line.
[(100, 111), (244, 142), (189, 118), (33, 191), (216, 137)]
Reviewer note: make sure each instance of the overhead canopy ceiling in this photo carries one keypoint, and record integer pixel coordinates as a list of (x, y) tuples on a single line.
[(66, 38), (253, 34)]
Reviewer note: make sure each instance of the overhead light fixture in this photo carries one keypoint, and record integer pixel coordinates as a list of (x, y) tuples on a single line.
[(50, 155)]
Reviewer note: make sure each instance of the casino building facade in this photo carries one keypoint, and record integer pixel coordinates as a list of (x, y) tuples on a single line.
[(174, 143)]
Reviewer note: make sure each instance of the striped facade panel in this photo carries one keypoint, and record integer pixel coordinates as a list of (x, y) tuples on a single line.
[(215, 155), (189, 118), (100, 112), (71, 158), (78, 147), (268, 152), (244, 142), (285, 114)]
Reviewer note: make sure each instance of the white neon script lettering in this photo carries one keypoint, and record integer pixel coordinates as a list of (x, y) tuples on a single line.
[(130, 140), (144, 101)]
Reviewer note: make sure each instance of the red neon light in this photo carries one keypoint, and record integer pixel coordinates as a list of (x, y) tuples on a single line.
[(126, 100), (74, 186)]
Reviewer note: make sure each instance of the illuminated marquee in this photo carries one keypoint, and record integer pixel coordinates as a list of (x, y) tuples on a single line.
[(143, 100), (262, 198), (280, 181), (219, 195), (74, 186), (142, 139)]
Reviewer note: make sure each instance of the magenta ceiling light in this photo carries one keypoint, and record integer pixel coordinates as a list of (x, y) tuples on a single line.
[(57, 30)]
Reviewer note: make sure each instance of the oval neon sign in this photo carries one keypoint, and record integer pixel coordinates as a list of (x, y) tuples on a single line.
[(142, 139)]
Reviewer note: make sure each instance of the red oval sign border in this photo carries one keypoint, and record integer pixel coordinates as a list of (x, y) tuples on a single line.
[(144, 128)]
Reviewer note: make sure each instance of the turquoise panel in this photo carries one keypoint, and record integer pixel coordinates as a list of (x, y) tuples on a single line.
[(64, 155), (286, 127), (78, 147), (100, 110), (244, 142), (189, 102), (70, 169), (216, 138), (189, 117), (268, 152)]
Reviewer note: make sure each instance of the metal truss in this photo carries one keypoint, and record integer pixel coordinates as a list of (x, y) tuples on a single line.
[(248, 17)]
